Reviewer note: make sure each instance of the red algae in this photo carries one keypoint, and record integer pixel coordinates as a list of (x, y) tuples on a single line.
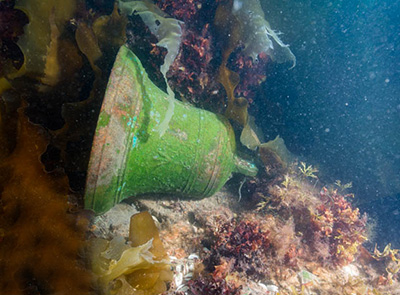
[(339, 225), (302, 238)]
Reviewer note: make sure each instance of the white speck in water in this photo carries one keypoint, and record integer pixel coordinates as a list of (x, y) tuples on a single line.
[(372, 75), (327, 130), (237, 5)]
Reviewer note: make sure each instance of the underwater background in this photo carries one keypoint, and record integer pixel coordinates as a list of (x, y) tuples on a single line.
[(306, 94), (340, 106)]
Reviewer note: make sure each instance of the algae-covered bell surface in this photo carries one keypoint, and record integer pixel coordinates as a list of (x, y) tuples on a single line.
[(304, 92)]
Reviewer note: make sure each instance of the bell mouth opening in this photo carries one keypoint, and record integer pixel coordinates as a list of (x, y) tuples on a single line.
[(114, 135)]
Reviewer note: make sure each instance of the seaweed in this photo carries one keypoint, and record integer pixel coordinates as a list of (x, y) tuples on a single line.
[(41, 241), (39, 41), (308, 171), (259, 35), (168, 32), (229, 26), (246, 243), (140, 267), (213, 286)]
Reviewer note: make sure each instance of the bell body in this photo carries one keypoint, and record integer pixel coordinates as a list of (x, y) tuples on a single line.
[(194, 157)]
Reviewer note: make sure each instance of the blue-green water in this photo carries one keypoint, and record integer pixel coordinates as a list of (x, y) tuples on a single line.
[(340, 106)]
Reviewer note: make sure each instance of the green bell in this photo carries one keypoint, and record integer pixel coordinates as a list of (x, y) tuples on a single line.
[(194, 157)]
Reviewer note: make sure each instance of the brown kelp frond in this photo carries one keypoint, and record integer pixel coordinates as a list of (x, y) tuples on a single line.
[(41, 242)]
